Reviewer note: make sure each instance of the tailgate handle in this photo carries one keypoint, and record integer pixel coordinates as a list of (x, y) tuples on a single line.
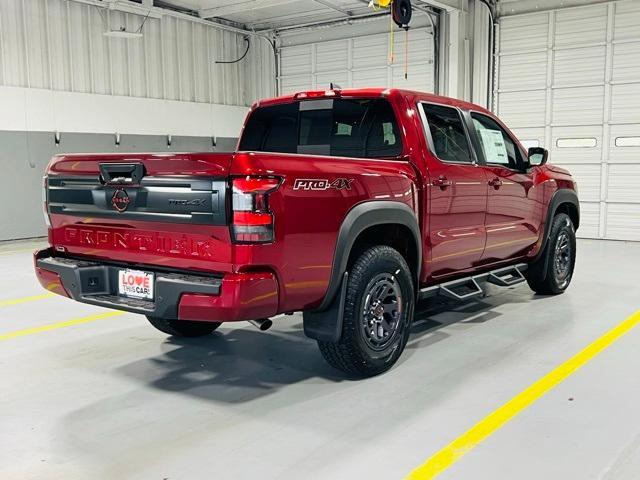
[(121, 173)]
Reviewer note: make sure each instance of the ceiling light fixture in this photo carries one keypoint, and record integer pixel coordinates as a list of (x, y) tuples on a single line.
[(122, 33)]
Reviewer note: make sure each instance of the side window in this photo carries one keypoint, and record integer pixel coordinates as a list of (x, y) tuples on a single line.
[(448, 137), (364, 128), (497, 145)]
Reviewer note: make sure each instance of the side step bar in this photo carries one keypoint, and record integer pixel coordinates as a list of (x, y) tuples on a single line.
[(471, 287)]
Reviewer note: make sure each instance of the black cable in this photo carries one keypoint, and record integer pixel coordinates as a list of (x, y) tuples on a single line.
[(100, 12), (243, 55), (143, 21)]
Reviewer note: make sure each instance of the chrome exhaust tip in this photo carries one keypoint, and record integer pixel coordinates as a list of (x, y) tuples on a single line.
[(262, 324)]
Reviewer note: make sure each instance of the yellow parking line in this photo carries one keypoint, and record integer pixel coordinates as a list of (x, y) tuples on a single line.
[(18, 301), (21, 250), (453, 452), (54, 326)]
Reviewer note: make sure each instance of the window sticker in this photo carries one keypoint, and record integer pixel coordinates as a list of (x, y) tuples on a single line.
[(389, 136), (494, 148), (343, 129)]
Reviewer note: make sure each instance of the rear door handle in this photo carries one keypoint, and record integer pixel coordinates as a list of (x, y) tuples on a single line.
[(495, 183), (442, 182)]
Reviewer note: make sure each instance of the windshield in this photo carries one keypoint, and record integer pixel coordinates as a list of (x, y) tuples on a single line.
[(363, 128)]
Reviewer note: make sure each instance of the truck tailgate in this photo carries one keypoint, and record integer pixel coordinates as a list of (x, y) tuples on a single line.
[(165, 210)]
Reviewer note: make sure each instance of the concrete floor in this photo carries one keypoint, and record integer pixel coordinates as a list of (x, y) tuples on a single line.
[(115, 398)]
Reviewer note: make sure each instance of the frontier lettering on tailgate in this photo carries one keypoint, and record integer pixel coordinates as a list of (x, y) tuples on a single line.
[(142, 241)]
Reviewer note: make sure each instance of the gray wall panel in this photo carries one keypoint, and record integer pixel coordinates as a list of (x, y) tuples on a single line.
[(20, 212), (72, 142), (182, 143)]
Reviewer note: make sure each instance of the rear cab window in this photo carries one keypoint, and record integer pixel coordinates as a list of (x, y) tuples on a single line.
[(344, 127)]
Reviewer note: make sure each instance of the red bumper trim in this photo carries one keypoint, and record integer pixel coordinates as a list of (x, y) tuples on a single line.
[(243, 296)]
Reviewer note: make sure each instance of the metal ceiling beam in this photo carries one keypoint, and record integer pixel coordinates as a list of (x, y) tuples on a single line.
[(123, 6), (513, 7), (448, 5), (227, 10), (334, 7), (157, 12), (373, 15), (325, 23)]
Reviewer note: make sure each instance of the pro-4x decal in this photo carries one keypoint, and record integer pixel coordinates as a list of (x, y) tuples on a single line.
[(322, 184)]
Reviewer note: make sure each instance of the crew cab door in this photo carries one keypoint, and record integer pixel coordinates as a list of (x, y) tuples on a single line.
[(456, 195), (514, 206)]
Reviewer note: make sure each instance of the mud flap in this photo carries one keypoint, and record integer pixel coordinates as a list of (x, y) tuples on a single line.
[(326, 326)]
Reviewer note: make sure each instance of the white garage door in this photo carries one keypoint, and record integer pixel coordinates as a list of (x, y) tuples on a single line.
[(359, 61), (569, 80)]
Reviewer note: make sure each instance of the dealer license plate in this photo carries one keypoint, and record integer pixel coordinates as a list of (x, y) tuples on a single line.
[(135, 284)]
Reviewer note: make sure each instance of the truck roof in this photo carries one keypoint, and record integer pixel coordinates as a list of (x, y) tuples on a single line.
[(368, 92)]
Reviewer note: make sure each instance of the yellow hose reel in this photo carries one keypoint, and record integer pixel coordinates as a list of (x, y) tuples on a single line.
[(400, 14), (377, 4)]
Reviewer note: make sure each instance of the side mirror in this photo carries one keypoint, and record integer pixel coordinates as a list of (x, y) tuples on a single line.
[(537, 156)]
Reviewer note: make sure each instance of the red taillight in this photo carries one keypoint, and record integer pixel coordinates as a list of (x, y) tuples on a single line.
[(252, 220)]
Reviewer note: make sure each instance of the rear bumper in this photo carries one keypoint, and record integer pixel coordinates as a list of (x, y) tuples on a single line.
[(223, 298)]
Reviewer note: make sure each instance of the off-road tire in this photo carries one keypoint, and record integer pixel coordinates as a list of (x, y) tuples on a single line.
[(545, 276), (183, 328), (354, 353)]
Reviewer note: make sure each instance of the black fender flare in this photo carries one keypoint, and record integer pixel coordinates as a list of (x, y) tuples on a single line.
[(560, 196), (325, 323)]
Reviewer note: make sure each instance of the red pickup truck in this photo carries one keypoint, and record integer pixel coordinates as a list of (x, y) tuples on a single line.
[(347, 205)]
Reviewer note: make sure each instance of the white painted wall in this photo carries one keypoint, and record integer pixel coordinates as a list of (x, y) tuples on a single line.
[(59, 45), (31, 109), (58, 72), (465, 53)]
